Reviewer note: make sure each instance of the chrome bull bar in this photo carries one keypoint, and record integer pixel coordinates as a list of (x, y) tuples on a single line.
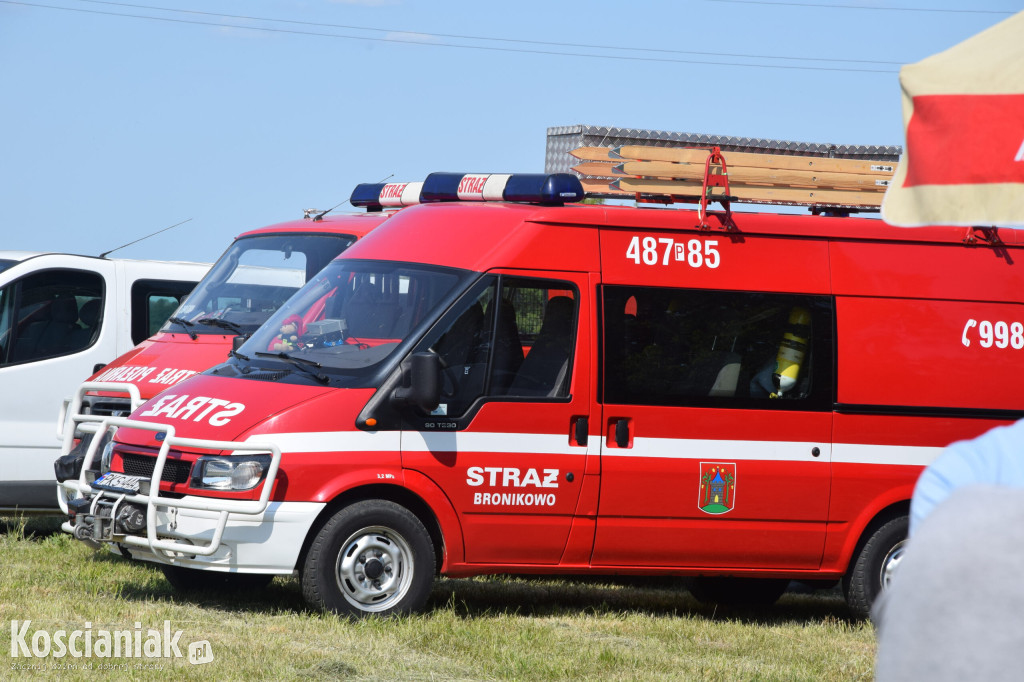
[(152, 500), (70, 410), (72, 421)]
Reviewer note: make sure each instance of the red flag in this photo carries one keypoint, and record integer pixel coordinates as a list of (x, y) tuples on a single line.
[(963, 110)]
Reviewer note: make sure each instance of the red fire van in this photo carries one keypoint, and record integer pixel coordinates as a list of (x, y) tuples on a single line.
[(532, 386), (252, 279)]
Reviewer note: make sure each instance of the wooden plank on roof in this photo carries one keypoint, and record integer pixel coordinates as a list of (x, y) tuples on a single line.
[(748, 174), (780, 161), (747, 192), (593, 154), (601, 169)]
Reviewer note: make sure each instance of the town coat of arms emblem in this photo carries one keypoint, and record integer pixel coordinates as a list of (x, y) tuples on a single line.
[(717, 494)]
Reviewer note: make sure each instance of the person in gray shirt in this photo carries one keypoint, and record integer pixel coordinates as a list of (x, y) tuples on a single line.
[(955, 607)]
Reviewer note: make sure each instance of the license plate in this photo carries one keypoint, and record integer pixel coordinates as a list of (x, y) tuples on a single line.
[(122, 483)]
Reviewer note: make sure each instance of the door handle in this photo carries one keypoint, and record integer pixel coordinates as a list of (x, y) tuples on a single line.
[(580, 428), (622, 433)]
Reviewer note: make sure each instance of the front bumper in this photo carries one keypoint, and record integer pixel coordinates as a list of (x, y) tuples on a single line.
[(220, 534), (266, 543)]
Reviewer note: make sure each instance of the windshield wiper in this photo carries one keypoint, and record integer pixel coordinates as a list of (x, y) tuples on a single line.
[(305, 365), (186, 324), (223, 324), (241, 356)]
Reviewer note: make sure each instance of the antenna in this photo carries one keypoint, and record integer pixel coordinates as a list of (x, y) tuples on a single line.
[(106, 253), (316, 214)]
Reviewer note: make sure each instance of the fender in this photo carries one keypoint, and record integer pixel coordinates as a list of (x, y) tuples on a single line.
[(354, 478), (444, 512), (417, 484), (841, 538)]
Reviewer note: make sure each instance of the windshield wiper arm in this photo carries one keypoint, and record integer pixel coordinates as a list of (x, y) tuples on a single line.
[(305, 365), (186, 324), (223, 324), (241, 356)]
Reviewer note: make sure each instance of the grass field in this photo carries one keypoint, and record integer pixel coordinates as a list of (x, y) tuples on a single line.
[(498, 628)]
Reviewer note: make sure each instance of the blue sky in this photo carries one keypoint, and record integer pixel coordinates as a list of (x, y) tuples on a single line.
[(116, 126)]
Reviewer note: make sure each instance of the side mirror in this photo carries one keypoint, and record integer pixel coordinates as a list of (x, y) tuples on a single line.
[(237, 342), (421, 383)]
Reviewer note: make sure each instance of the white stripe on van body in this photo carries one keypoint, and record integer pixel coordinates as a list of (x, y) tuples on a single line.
[(558, 444), (776, 451), (908, 455), (417, 441), (333, 441)]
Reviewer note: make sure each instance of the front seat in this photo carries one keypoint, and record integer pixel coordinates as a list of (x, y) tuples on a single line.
[(546, 365)]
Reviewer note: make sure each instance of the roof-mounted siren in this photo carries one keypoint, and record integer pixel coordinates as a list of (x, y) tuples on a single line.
[(377, 196), (552, 189)]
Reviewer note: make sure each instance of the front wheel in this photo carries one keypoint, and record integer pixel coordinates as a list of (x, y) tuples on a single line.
[(874, 566), (371, 558)]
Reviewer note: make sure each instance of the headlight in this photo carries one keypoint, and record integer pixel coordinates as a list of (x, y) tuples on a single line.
[(229, 472)]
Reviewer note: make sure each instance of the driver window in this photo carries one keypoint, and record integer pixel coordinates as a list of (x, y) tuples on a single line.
[(511, 337), (463, 349)]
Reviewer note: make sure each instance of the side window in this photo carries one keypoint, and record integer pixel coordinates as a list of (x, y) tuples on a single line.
[(158, 309), (510, 337), (716, 348), (153, 301), (49, 314), (6, 321)]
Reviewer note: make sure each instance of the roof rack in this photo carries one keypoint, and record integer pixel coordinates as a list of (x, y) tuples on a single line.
[(701, 174)]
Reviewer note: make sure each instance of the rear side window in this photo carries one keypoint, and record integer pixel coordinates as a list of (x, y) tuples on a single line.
[(49, 314), (716, 348), (153, 301)]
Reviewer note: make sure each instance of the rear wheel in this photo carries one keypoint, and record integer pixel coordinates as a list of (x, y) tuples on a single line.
[(738, 592), (371, 558), (196, 580), (874, 566)]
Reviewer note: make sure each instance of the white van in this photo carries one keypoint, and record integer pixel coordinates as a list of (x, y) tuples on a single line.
[(61, 317)]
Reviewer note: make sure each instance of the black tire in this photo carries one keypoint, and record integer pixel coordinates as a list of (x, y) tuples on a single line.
[(195, 580), (866, 577), (738, 592), (373, 557)]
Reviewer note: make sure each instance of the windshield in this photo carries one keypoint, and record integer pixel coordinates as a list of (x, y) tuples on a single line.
[(252, 280), (353, 315)]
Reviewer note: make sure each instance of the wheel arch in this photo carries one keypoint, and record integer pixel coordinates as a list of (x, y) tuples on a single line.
[(382, 491), (882, 517)]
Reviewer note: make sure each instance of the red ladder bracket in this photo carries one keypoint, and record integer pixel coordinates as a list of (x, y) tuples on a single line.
[(989, 235), (715, 159)]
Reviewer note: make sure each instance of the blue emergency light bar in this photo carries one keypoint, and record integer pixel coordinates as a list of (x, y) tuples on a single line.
[(378, 195), (536, 188)]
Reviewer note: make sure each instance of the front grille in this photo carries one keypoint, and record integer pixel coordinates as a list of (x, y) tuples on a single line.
[(105, 407), (175, 470)]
